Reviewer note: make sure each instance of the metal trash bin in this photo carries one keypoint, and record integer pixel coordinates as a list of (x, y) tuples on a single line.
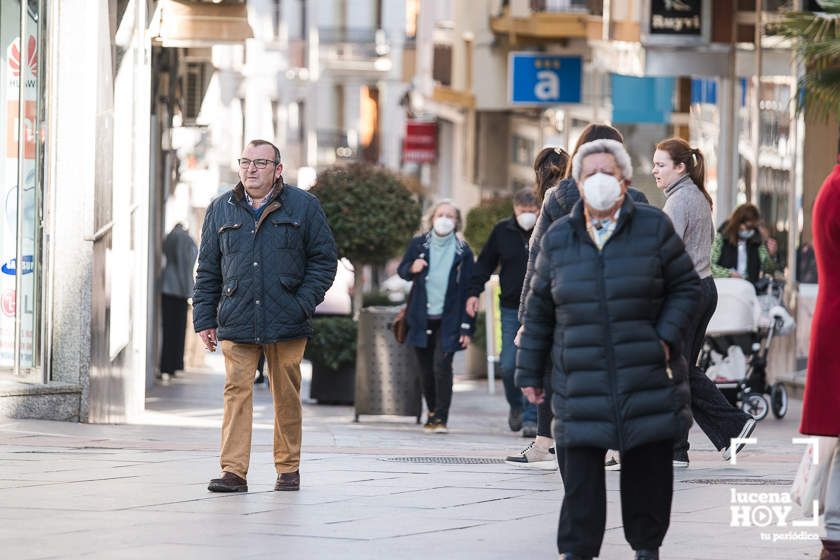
[(387, 372)]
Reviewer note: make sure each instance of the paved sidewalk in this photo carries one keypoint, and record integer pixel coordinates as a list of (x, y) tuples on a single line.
[(139, 491)]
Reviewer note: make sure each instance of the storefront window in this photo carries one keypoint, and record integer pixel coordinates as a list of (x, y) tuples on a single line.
[(21, 151)]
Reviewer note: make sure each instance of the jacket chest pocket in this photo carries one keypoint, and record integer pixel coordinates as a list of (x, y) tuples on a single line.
[(285, 233), (229, 235)]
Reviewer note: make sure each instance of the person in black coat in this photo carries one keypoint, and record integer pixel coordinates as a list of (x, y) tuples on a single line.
[(177, 283), (507, 250), (439, 263), (611, 294)]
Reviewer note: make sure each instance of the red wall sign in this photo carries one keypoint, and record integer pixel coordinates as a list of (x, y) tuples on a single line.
[(420, 143)]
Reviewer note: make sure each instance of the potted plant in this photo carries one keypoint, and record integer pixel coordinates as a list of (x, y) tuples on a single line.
[(332, 352), (371, 212)]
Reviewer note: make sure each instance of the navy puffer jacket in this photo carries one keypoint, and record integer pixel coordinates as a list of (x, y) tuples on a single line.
[(259, 280), (455, 321), (602, 314)]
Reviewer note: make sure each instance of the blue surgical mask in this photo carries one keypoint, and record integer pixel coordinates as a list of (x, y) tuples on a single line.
[(746, 233)]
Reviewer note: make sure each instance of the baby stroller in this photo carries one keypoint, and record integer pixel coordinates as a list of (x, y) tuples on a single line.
[(738, 340)]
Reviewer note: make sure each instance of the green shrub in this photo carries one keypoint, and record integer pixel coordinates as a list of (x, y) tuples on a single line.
[(371, 212), (372, 299), (482, 218), (479, 337), (334, 342)]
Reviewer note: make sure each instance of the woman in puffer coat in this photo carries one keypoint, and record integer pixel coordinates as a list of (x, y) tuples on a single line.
[(558, 199), (612, 292)]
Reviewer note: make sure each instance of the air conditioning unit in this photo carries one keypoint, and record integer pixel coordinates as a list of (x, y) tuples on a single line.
[(195, 80)]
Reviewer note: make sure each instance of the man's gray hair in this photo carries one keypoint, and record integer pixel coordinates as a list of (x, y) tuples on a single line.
[(613, 147)]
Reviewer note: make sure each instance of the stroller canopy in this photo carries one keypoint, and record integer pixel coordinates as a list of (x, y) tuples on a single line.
[(738, 309)]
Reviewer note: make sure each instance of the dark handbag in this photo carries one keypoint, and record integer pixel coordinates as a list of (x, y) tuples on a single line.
[(400, 324)]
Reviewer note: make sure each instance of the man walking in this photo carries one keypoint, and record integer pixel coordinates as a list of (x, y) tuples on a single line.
[(267, 257), (507, 250)]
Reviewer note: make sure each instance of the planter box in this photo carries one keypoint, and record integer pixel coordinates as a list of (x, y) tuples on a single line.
[(329, 386)]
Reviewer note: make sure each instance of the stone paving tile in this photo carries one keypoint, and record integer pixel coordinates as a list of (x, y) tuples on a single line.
[(380, 527), (443, 497), (139, 491)]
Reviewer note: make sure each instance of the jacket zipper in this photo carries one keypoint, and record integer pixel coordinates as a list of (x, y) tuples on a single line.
[(610, 353)]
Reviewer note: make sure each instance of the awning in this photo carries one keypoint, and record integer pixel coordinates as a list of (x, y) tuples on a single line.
[(181, 23)]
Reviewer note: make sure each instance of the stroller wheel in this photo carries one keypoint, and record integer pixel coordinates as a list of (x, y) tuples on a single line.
[(779, 399), (755, 405)]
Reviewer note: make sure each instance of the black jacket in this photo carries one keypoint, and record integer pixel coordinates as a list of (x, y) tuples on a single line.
[(259, 281), (602, 314), (508, 246), (455, 322), (558, 202)]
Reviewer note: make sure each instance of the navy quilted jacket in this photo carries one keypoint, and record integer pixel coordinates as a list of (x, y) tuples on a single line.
[(599, 316), (259, 281)]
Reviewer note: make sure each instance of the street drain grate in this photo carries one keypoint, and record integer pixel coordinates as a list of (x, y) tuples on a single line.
[(446, 460), (742, 481)]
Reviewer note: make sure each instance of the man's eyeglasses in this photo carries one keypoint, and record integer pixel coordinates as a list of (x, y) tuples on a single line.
[(245, 163)]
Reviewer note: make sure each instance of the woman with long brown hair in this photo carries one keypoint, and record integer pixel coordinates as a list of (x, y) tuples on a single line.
[(680, 171), (739, 250), (550, 168)]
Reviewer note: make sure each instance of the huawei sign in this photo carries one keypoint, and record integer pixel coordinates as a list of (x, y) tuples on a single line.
[(13, 54)]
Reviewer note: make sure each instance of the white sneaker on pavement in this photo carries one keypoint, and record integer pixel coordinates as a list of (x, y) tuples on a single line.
[(746, 431), (534, 457)]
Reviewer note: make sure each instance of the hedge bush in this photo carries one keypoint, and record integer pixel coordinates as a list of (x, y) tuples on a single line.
[(482, 218), (371, 212), (334, 342)]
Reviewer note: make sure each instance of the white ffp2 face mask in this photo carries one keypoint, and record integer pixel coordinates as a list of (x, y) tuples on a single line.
[(443, 225), (526, 220), (601, 191)]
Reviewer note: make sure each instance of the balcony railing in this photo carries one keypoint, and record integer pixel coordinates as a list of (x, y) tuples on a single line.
[(355, 36), (563, 5), (544, 19), (354, 43)]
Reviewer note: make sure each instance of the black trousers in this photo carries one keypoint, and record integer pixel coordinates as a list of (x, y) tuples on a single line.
[(545, 416), (174, 315), (436, 373), (718, 419), (647, 485)]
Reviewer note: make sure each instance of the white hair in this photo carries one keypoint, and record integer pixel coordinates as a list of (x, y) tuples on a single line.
[(603, 146), (429, 218)]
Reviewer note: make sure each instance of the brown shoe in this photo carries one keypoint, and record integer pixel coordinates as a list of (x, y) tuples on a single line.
[(288, 482), (228, 483)]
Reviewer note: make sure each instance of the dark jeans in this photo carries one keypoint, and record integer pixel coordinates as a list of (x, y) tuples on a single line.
[(507, 366), (436, 373), (713, 413), (647, 484)]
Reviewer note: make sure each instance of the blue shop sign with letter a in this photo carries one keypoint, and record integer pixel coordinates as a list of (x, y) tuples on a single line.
[(537, 78)]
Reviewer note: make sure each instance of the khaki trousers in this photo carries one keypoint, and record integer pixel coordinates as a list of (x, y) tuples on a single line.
[(283, 361)]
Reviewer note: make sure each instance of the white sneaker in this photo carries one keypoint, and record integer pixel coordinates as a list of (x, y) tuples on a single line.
[(746, 431), (534, 457), (612, 464)]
